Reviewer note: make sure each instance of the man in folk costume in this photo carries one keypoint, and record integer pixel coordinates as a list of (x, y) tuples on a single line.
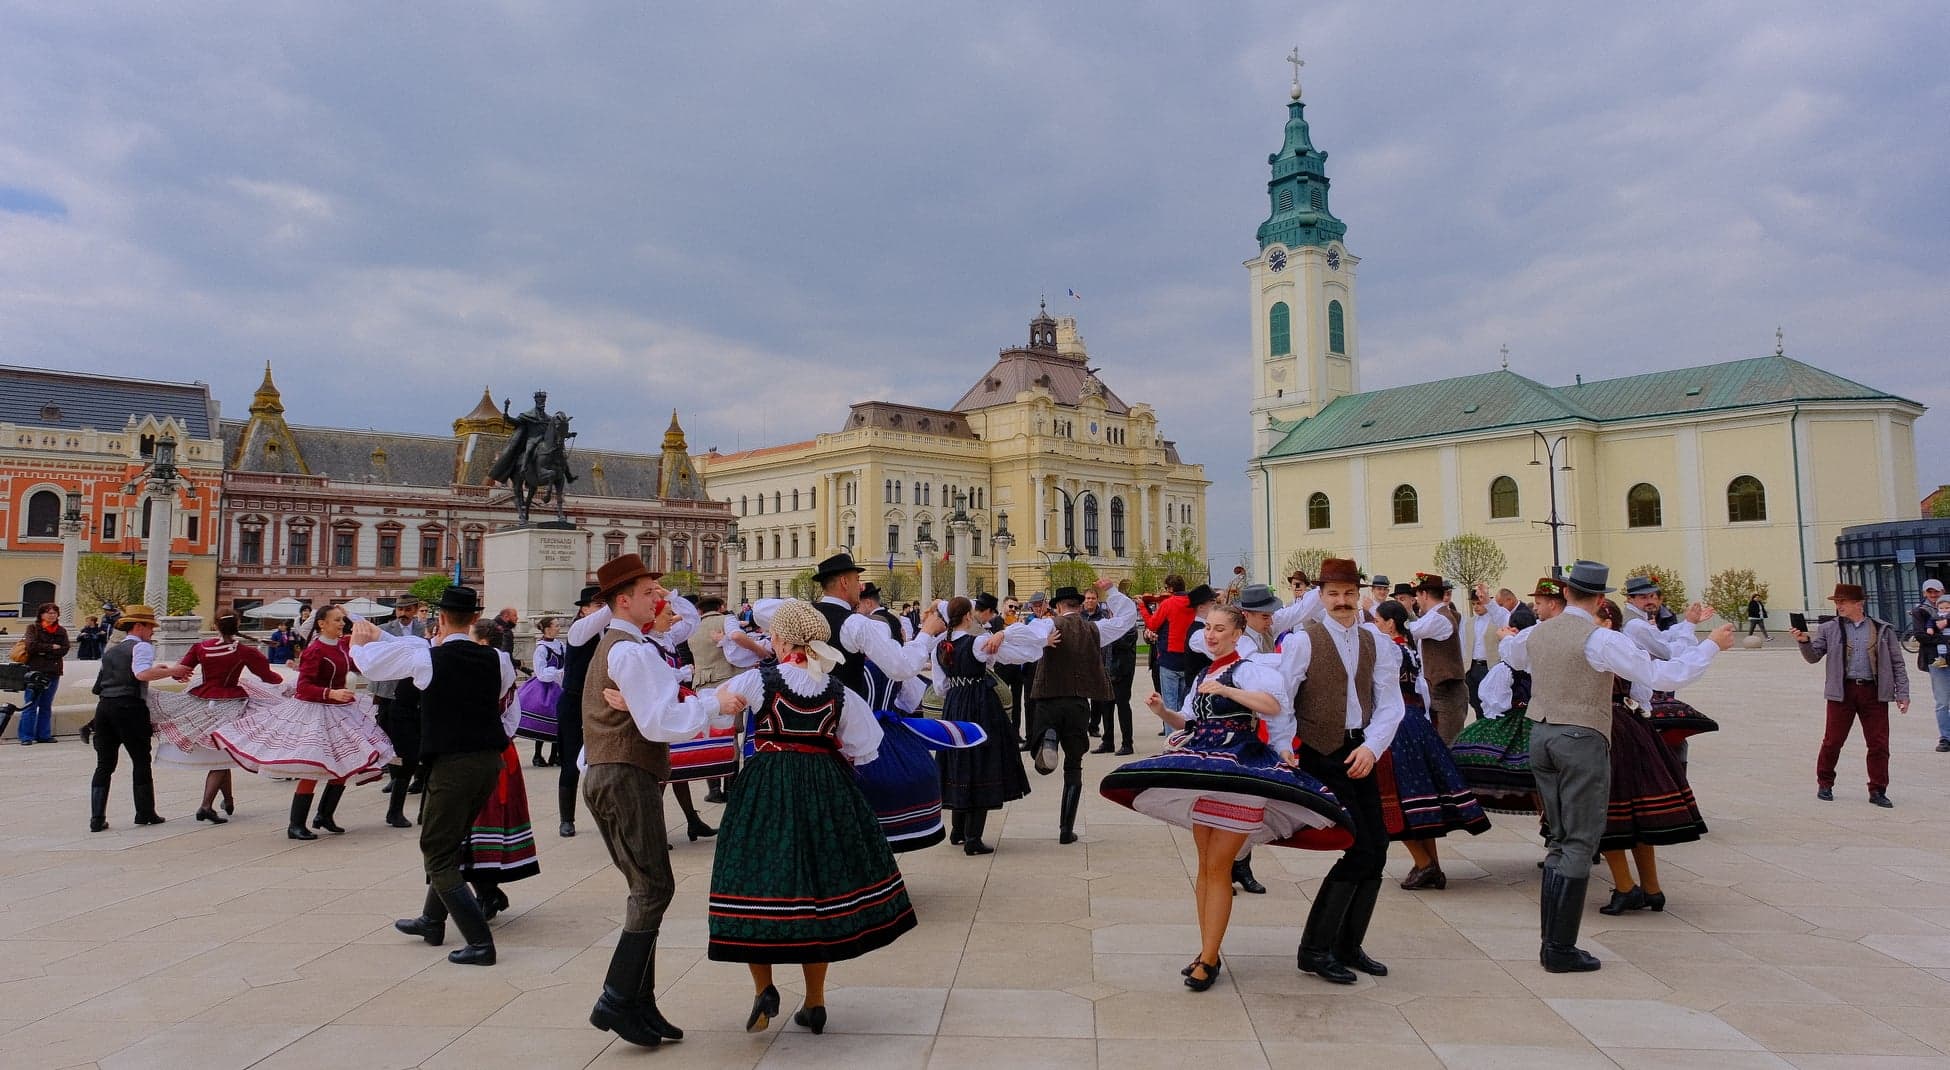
[(633, 708), (584, 633), (396, 704), (461, 684), (1573, 663), (1482, 635), (1069, 676), (122, 716), (1346, 680), (1437, 630), (859, 637)]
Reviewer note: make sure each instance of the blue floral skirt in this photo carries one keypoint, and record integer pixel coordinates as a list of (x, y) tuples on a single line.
[(1220, 774)]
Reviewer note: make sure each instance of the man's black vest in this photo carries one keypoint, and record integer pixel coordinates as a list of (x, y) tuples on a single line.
[(575, 669), (853, 671), (460, 708)]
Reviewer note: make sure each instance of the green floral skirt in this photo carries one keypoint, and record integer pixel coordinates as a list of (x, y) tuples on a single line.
[(802, 871)]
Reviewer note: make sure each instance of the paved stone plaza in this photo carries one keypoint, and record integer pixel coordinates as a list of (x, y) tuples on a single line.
[(1800, 933)]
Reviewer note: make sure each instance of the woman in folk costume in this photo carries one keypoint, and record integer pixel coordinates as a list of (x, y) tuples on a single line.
[(501, 842), (1650, 624), (1493, 751), (1651, 802), (185, 719), (321, 731), (978, 779), (1220, 780), (1423, 795), (802, 873), (543, 691)]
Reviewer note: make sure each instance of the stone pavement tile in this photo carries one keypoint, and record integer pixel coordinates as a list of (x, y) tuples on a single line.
[(1521, 945), (1015, 969), (1870, 987), (1472, 1021), (1017, 910), (110, 923), (1520, 1057), (798, 1049), (1644, 1023), (207, 924), (1176, 1016), (304, 1001), (955, 1053), (1276, 975), (900, 967), (1860, 921), (368, 1047), (1709, 985), (1131, 910), (699, 1050), (1790, 894), (34, 998), (67, 1043), (1049, 940), (1127, 1054), (249, 961), (1931, 1025), (1749, 918), (1868, 1062), (163, 1000), (444, 995), (1153, 973), (204, 1046), (396, 960), (1672, 945), (1931, 951), (709, 1006), (1621, 980), (1796, 949), (1299, 1018), (1350, 1055), (40, 953), (1655, 1059), (1002, 1012), (1140, 938), (520, 1047), (1448, 977), (1389, 944), (128, 961), (892, 1010), (322, 928), (1832, 1028)]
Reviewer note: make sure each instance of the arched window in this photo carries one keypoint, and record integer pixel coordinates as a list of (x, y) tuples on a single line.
[(44, 515), (795, 500), (1746, 500), (1320, 513), (1336, 328), (34, 594), (1503, 498), (1090, 524), (1408, 506), (1279, 329), (777, 498), (1117, 526), (1642, 507), (744, 504)]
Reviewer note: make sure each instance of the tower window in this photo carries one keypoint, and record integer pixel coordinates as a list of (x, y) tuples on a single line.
[(1336, 329), (1279, 329), (1316, 198), (1408, 505), (1320, 512), (1642, 507), (1503, 498), (1286, 200)]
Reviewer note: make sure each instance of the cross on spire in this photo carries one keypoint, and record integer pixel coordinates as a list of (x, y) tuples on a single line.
[(1780, 342), (1506, 356), (1293, 57)]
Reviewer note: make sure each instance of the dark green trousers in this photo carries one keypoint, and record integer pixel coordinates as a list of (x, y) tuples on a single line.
[(458, 785)]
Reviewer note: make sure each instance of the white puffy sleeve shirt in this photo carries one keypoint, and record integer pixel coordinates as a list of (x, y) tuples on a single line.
[(1297, 653)]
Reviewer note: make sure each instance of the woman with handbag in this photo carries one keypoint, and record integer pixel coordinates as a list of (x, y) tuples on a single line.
[(42, 651), (543, 691)]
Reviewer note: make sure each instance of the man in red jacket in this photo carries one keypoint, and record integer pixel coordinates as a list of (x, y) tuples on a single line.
[(1172, 620)]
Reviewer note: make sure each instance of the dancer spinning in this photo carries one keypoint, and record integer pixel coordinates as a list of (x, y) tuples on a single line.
[(462, 687), (1219, 780), (185, 719), (541, 696), (321, 731), (802, 873), (1424, 797)]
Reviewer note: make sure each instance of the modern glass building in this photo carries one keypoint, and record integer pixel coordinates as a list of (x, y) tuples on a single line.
[(1891, 560)]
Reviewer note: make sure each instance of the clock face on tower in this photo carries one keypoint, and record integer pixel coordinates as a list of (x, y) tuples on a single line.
[(1277, 261), (1333, 259)]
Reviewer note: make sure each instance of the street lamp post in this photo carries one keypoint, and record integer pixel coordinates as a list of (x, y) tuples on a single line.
[(71, 526), (1552, 466), (732, 547), (1002, 540), (924, 548), (961, 529)]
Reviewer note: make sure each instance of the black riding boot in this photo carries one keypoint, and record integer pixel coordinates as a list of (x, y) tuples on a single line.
[(618, 1010), (565, 799), (1324, 923), (1066, 828), (98, 809), (977, 822), (431, 925), (473, 927), (145, 804), (328, 805), (958, 821), (1347, 949), (396, 801), (1563, 912), (300, 810), (646, 995)]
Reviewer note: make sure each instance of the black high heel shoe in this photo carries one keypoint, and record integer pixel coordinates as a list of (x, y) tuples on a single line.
[(765, 1007), (1631, 899), (813, 1018), (1198, 984), (696, 827), (207, 814)]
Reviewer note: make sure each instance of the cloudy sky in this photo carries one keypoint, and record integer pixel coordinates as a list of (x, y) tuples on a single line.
[(757, 214)]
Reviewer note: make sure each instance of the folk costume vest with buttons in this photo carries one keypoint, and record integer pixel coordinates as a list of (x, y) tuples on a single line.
[(460, 708), (575, 668), (1442, 658), (853, 671), (116, 678), (1074, 667), (709, 667), (1321, 706), (610, 736), (1564, 688)]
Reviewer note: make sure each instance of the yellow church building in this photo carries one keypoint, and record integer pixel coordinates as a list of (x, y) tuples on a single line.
[(1755, 463)]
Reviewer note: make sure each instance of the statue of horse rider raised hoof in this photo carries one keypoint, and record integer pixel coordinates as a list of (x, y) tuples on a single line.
[(536, 460)]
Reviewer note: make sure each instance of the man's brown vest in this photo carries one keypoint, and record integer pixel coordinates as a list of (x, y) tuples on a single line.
[(1442, 658), (609, 735), (1074, 667), (709, 666), (1321, 706)]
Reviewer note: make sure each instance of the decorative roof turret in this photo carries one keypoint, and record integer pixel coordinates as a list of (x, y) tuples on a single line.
[(1042, 329), (484, 420), (674, 436), (1297, 191), (267, 401)]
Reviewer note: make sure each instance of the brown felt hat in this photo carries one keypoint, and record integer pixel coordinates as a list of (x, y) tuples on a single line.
[(626, 569), (1848, 592), (1338, 570)]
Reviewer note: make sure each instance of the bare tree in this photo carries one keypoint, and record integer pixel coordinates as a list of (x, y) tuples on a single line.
[(1470, 559), (1729, 590), (1307, 559)]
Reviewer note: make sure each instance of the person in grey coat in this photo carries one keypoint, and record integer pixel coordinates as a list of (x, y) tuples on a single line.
[(1865, 674)]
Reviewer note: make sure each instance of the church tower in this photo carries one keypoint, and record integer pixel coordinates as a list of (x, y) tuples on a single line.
[(1304, 336)]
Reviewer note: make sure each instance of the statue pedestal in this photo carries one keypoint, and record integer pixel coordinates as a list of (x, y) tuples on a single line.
[(539, 571), (176, 635)]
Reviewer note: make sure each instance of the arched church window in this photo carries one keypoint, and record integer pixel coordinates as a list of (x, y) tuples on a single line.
[(1117, 526), (1090, 524), (1320, 512), (1642, 509), (1336, 328), (1408, 505), (1746, 500), (1503, 498), (1279, 329)]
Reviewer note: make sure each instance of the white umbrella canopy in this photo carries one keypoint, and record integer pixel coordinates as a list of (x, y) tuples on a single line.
[(282, 609), (366, 607)]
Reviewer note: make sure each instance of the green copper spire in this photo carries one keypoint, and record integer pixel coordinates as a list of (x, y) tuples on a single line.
[(1297, 192)]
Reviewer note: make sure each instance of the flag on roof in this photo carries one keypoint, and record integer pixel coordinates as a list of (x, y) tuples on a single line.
[(1075, 295)]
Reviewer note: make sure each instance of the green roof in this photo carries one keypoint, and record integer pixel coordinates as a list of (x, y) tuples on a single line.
[(1501, 399)]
